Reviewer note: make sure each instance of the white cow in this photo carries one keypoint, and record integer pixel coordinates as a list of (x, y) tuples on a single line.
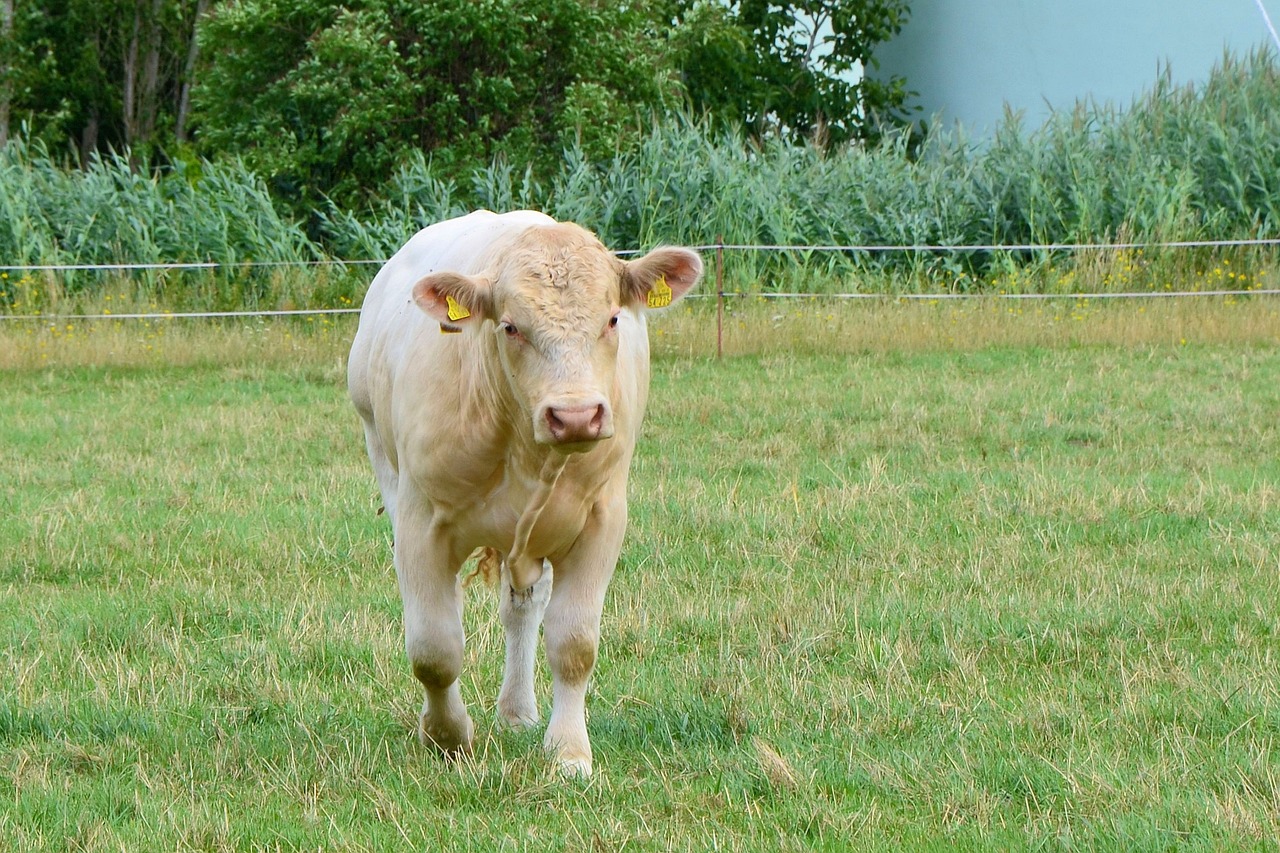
[(501, 369)]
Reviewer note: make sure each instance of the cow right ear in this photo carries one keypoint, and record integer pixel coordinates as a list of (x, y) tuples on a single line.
[(453, 299), (661, 277)]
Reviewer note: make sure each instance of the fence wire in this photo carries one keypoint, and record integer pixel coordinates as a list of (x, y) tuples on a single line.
[(709, 247)]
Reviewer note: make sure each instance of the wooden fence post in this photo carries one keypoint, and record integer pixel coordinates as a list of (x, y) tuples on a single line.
[(720, 296)]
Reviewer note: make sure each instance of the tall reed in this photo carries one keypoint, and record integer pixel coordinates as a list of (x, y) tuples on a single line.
[(113, 211)]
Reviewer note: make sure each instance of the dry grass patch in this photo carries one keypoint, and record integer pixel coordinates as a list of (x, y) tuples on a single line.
[(822, 325), (750, 326)]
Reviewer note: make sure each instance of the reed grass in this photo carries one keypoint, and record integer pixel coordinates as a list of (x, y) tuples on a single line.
[(112, 210)]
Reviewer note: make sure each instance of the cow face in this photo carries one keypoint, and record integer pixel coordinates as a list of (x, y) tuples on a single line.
[(554, 303)]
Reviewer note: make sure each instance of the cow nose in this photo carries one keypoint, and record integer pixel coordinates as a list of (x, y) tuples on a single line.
[(582, 423)]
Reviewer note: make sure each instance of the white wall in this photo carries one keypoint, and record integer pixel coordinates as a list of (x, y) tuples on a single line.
[(967, 58)]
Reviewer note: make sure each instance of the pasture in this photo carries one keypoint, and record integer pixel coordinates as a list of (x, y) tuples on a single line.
[(972, 576)]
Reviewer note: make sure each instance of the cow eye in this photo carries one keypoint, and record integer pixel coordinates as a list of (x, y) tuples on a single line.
[(510, 330), (613, 322)]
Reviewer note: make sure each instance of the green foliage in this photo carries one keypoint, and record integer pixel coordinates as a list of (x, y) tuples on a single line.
[(791, 68), (1182, 164), (328, 98), (465, 82), (100, 75), (57, 68)]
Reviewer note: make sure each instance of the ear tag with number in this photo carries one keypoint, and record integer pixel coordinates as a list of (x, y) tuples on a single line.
[(660, 294), (456, 311)]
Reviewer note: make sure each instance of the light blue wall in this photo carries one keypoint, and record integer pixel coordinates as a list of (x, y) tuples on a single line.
[(967, 58)]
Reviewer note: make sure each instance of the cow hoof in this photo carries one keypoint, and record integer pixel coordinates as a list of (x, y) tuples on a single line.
[(570, 760), (448, 741), (574, 768)]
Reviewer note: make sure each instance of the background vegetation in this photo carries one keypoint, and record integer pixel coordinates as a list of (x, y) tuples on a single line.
[(692, 122), (1180, 164)]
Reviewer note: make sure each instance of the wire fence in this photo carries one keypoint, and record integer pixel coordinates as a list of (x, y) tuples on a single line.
[(706, 247), (720, 294)]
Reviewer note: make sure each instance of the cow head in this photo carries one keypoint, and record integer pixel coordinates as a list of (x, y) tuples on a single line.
[(556, 302)]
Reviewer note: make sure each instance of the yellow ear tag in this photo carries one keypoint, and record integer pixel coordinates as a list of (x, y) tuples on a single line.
[(660, 294), (456, 311)]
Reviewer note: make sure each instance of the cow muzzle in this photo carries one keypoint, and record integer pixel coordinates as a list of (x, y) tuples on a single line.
[(573, 423)]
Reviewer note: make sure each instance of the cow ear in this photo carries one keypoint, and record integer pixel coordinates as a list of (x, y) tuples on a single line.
[(453, 299), (661, 277)]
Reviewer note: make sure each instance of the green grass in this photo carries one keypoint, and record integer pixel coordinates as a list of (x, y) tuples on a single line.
[(1013, 589)]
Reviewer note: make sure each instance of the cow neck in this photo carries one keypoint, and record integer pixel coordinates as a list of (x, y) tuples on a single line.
[(524, 454)]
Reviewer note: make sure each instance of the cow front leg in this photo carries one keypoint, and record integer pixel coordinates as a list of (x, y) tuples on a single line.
[(431, 591), (572, 633), (521, 614)]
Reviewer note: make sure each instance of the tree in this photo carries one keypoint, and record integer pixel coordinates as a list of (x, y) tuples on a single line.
[(6, 67), (104, 74), (790, 68), (182, 110), (349, 88)]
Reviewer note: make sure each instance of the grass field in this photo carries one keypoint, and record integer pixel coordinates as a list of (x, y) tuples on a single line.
[(898, 577)]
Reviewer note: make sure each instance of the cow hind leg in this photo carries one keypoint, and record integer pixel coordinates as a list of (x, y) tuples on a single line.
[(521, 614), (385, 473)]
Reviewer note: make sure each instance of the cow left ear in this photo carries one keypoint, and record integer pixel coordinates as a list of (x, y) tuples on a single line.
[(453, 299), (661, 277)]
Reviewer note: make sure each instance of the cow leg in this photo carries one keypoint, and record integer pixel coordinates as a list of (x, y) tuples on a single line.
[(572, 631), (521, 614), (431, 590)]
